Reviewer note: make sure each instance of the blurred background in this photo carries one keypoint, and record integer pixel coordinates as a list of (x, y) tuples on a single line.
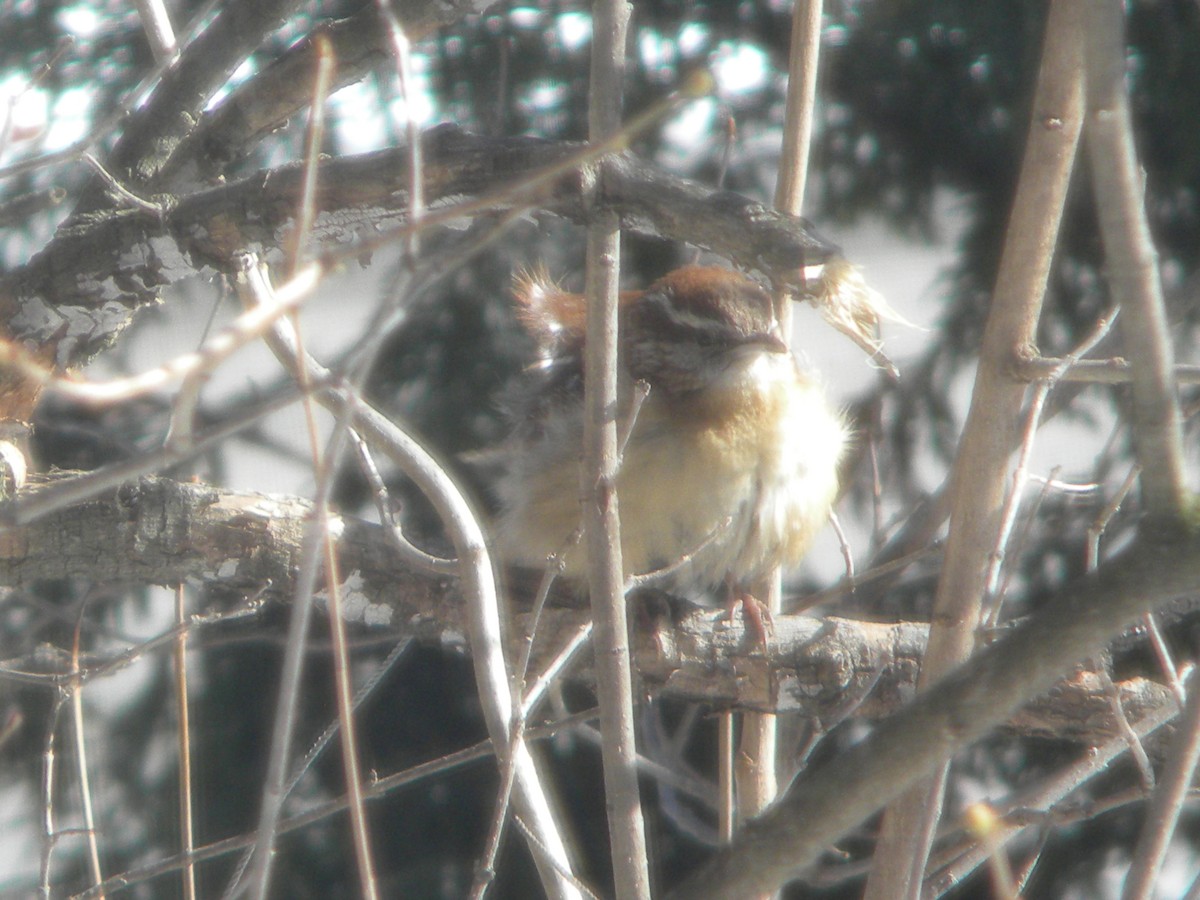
[(921, 121)]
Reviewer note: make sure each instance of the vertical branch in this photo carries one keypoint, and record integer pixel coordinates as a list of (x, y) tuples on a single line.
[(85, 786), (187, 837), (416, 185), (324, 466), (803, 54), (600, 515), (1132, 262), (337, 627), (49, 836), (306, 212), (345, 707), (288, 700), (757, 765), (980, 473)]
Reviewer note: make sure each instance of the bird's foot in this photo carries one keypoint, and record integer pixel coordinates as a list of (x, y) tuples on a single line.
[(755, 613)]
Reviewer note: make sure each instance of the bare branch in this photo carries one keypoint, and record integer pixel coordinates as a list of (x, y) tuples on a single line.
[(157, 24), (598, 474), (1094, 371), (75, 295), (757, 778), (980, 474), (1167, 802), (826, 802), (187, 836), (482, 619), (232, 545), (1032, 806), (155, 132), (1132, 260)]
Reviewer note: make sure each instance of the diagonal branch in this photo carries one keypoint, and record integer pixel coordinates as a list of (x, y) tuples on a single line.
[(980, 474), (158, 127), (826, 802), (261, 106), (1117, 180)]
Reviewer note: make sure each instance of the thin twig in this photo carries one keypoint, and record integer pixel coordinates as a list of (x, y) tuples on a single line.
[(379, 788), (409, 552), (49, 837), (847, 550), (875, 573), (605, 577), (331, 730), (287, 702), (146, 206), (726, 786), (541, 684), (1097, 528), (641, 391), (529, 699), (995, 595), (1124, 727), (85, 784), (478, 586), (1033, 418), (416, 189), (184, 746), (1047, 794), (305, 217), (195, 365), (661, 576), (1103, 666), (345, 700), (1092, 560), (1092, 371), (1162, 653), (364, 692)]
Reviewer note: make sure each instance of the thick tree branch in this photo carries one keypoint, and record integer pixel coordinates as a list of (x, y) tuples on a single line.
[(1117, 180), (157, 128), (238, 545), (172, 142), (980, 477), (263, 105), (75, 296), (827, 801)]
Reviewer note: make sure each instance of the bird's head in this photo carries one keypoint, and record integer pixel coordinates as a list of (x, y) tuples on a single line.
[(692, 327)]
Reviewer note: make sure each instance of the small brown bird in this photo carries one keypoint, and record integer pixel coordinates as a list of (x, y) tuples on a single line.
[(730, 467)]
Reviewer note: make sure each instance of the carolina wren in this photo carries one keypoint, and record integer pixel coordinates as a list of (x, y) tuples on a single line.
[(730, 466)]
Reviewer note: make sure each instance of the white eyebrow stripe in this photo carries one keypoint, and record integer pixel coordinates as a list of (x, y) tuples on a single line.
[(684, 317)]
